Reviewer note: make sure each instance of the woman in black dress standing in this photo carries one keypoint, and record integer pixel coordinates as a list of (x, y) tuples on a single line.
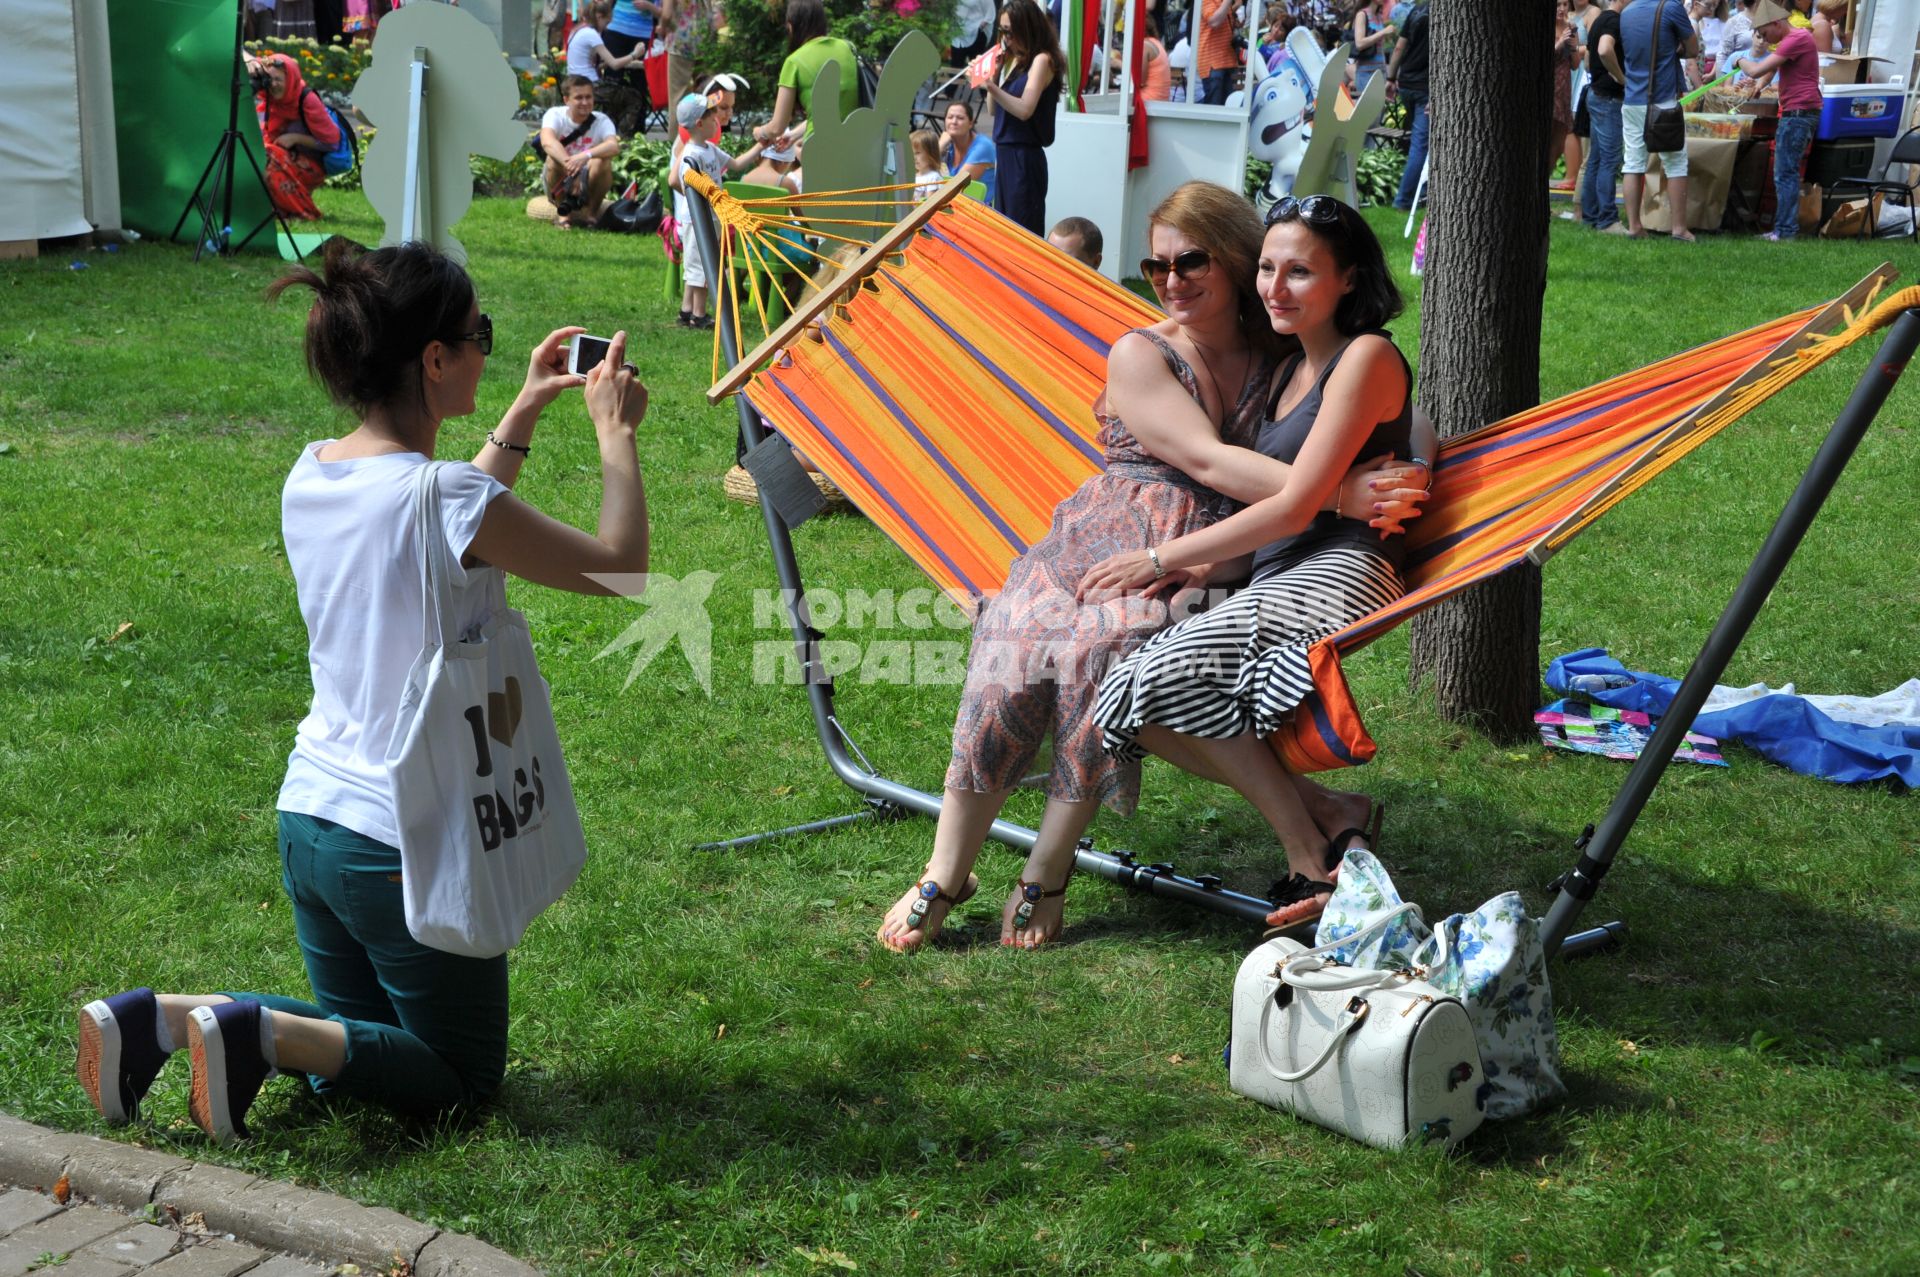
[(1023, 118)]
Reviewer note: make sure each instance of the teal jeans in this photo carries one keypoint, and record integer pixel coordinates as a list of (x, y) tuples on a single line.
[(426, 1030)]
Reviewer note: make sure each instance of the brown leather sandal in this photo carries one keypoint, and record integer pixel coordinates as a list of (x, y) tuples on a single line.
[(1298, 902), (1031, 894), (929, 892)]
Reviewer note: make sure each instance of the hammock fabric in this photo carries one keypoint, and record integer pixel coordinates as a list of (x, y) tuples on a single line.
[(951, 398)]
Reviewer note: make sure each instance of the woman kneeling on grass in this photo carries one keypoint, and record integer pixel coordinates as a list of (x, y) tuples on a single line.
[(1179, 418), (396, 336), (1207, 693)]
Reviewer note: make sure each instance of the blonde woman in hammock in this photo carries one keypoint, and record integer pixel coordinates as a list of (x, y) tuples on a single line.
[(1183, 405)]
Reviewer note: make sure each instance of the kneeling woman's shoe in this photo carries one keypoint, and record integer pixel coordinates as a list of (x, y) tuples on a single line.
[(229, 1067), (120, 1052)]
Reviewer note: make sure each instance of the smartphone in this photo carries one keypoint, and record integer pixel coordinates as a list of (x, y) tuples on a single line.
[(585, 353)]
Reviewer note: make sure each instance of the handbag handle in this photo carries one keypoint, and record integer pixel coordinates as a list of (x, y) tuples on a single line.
[(1333, 979), (1355, 1013), (436, 568)]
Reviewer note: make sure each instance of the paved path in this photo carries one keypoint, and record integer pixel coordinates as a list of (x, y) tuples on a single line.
[(128, 1210)]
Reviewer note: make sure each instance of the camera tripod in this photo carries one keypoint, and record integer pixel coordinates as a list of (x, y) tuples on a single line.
[(212, 196)]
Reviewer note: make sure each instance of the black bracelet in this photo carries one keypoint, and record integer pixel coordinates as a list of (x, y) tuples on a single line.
[(521, 448)]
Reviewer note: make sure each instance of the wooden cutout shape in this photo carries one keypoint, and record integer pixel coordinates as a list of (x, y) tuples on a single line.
[(470, 100), (1330, 164), (853, 153)]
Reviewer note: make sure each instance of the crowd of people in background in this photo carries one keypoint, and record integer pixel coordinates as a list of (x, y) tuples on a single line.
[(1612, 61)]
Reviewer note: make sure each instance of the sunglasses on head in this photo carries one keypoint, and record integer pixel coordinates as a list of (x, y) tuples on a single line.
[(1321, 210), (481, 336), (1188, 265)]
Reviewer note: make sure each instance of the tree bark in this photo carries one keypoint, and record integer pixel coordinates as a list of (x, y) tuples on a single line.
[(1486, 271)]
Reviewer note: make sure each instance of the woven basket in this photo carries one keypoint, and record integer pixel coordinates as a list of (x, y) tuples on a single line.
[(739, 486)]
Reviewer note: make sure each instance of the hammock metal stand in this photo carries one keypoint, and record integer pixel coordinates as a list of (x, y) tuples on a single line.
[(1597, 848), (889, 800), (886, 799)]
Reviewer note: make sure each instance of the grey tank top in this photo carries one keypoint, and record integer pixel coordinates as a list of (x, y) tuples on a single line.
[(1282, 440)]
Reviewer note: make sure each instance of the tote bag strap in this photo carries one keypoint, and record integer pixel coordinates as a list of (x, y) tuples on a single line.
[(1381, 923), (436, 563)]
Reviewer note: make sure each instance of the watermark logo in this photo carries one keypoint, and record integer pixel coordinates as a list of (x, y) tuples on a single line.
[(916, 637), (675, 609)]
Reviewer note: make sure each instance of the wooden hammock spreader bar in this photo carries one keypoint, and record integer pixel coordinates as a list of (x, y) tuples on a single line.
[(817, 305)]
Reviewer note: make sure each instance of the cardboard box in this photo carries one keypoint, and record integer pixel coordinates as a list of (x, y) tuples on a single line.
[(1846, 68)]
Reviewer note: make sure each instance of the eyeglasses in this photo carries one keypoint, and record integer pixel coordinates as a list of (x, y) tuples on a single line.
[(481, 336), (1191, 264), (1321, 210)]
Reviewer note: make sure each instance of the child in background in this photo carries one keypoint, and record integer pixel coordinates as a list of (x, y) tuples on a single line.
[(776, 166), (926, 163), (700, 118)]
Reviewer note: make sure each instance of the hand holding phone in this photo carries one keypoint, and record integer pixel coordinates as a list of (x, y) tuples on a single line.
[(585, 353), (615, 394)]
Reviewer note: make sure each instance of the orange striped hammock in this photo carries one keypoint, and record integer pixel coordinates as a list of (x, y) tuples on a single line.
[(949, 390)]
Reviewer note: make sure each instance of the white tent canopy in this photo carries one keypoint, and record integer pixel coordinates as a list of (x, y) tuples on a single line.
[(59, 172)]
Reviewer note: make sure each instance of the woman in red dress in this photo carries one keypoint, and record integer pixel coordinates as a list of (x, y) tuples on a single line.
[(297, 130)]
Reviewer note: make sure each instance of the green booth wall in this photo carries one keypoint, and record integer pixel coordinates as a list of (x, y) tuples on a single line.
[(172, 71)]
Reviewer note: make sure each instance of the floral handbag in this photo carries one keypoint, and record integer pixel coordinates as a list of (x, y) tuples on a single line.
[(1491, 959)]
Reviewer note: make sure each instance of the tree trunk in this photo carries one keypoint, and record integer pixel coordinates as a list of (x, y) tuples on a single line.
[(1486, 270)]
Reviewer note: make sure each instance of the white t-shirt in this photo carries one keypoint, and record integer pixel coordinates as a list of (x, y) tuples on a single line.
[(353, 546), (580, 59), (705, 157), (598, 130)]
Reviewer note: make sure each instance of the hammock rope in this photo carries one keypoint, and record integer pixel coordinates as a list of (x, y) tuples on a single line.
[(1781, 373), (764, 233)]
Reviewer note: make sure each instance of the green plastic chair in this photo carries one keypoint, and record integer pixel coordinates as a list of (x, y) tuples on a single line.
[(790, 258), (977, 190)]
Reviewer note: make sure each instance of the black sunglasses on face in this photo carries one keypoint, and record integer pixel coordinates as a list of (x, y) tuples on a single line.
[(1321, 210), (1191, 264), (481, 336)]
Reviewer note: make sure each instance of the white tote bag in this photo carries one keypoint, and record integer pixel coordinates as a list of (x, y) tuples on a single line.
[(1490, 959), (489, 835)]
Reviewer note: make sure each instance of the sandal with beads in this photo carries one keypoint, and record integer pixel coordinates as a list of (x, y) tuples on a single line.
[(926, 893)]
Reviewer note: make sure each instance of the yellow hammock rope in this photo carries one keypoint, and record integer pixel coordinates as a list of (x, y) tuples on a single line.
[(1781, 373), (750, 232)]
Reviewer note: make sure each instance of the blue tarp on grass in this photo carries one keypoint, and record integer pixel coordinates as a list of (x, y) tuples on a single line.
[(1784, 729)]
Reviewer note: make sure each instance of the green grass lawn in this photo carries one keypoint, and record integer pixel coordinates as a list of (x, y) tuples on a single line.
[(713, 1067)]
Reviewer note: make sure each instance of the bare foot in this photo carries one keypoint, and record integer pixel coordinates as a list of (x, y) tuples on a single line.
[(1044, 921), (899, 931), (1339, 812)]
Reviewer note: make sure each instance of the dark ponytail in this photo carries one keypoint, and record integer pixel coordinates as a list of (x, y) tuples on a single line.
[(373, 313)]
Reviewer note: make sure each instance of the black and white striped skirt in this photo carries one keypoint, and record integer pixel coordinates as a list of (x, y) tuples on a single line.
[(1243, 665)]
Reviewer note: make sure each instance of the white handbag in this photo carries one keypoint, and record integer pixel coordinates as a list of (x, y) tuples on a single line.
[(1380, 1056), (489, 834)]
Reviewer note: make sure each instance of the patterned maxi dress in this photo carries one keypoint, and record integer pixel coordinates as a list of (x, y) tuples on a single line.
[(1038, 656)]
